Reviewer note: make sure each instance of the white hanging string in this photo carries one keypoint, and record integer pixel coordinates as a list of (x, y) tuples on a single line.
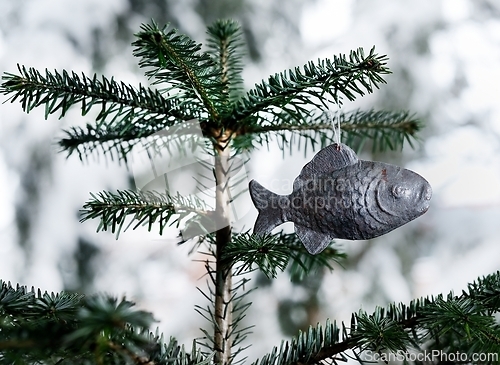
[(335, 126)]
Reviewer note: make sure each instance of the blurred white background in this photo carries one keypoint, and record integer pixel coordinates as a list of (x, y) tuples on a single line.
[(445, 58)]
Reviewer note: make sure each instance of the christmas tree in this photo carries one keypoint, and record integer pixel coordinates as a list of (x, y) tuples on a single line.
[(202, 91)]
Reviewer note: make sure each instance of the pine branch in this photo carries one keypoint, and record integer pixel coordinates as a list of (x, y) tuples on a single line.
[(146, 208), (384, 129), (225, 46), (126, 114), (464, 324), (487, 291), (59, 91), (175, 61), (459, 324), (293, 92), (266, 252), (117, 140), (38, 327), (270, 253), (311, 347), (238, 296)]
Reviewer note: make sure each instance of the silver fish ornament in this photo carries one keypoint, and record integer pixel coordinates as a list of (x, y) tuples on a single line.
[(337, 195)]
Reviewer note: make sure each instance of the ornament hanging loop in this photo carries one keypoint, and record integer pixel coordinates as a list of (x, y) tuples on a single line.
[(335, 120)]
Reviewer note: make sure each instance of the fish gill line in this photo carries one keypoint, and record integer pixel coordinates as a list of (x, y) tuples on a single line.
[(374, 186)]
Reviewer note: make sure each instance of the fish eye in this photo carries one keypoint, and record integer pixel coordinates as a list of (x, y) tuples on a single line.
[(399, 191)]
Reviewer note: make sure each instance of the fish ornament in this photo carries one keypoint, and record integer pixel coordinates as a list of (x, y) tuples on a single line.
[(340, 196)]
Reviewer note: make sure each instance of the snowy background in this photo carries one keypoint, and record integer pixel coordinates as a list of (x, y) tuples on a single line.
[(445, 58)]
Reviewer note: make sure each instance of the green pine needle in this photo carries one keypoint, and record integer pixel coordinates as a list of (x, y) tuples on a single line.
[(452, 325), (384, 130), (225, 44), (146, 208), (292, 93), (177, 64), (58, 91), (273, 253)]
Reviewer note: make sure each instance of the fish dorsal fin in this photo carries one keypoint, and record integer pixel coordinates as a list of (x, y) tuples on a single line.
[(331, 158)]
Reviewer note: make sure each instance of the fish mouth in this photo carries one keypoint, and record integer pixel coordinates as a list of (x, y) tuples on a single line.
[(427, 193), (424, 209), (424, 198)]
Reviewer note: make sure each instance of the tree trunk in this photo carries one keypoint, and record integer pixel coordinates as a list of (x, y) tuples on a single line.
[(223, 277)]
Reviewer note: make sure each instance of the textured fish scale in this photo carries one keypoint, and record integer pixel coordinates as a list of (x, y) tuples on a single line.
[(331, 203), (367, 178), (337, 195)]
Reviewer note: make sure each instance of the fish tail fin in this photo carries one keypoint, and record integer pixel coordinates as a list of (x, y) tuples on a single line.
[(267, 203)]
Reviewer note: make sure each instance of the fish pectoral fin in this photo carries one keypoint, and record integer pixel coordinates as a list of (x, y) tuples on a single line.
[(313, 241)]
